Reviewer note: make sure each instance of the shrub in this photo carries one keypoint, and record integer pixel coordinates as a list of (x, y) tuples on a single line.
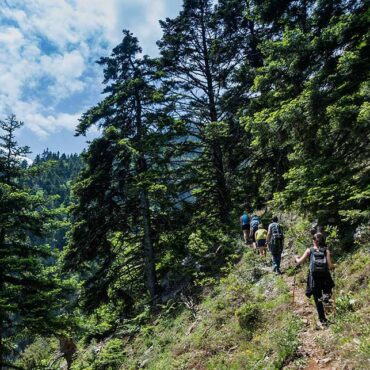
[(111, 356), (248, 315), (37, 355)]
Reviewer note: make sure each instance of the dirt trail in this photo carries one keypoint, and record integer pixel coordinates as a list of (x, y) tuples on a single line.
[(311, 335)]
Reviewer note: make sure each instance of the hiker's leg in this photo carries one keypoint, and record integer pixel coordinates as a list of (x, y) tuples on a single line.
[(319, 306), (274, 262), (278, 261)]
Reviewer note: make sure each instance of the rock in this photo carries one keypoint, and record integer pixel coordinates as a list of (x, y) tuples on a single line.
[(143, 363), (147, 352), (191, 328), (326, 360)]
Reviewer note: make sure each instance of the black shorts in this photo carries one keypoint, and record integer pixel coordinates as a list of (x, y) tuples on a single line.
[(246, 227), (261, 243)]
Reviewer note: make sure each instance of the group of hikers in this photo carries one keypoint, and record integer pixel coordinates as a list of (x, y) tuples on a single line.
[(319, 281), (273, 237)]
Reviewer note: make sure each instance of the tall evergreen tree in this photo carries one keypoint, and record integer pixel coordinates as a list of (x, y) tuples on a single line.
[(201, 51), (28, 290), (311, 106), (126, 184)]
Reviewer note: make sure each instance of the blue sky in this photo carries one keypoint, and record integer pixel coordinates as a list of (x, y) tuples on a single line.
[(48, 77)]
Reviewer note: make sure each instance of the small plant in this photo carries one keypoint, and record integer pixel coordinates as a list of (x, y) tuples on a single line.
[(288, 342), (248, 316), (38, 354), (111, 356), (344, 303)]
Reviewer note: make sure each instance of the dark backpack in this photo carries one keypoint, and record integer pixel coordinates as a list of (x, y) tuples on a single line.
[(276, 233), (318, 261)]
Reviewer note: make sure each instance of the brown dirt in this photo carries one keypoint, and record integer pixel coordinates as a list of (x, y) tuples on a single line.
[(310, 353)]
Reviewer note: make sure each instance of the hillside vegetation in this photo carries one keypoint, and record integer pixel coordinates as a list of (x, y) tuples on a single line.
[(247, 321), (129, 254)]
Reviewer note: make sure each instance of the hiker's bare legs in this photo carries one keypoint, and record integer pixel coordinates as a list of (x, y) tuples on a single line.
[(245, 235)]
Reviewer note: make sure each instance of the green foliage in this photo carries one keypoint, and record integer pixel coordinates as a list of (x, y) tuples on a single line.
[(38, 355), (287, 343), (111, 356), (53, 174), (248, 316), (344, 303), (32, 294), (127, 200), (263, 104), (309, 119)]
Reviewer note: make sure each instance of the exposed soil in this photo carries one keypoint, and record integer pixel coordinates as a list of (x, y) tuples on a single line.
[(310, 354)]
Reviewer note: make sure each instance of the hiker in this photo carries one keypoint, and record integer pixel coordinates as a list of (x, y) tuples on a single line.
[(275, 240), (244, 222), (318, 229), (254, 227), (319, 281), (260, 238)]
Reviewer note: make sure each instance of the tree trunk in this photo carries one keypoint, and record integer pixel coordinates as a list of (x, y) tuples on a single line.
[(149, 257), (1, 346), (148, 249), (2, 239), (222, 191)]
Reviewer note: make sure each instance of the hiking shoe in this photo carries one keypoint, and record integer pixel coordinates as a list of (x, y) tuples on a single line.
[(322, 324)]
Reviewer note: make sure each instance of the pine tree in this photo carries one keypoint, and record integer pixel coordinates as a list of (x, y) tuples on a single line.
[(200, 53), (311, 106), (28, 289), (124, 188)]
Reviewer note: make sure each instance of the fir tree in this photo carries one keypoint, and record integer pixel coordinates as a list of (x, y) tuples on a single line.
[(29, 292), (126, 183)]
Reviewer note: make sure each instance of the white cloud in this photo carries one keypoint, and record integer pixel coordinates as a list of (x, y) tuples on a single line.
[(48, 52)]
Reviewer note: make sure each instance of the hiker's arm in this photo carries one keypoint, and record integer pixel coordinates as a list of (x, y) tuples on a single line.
[(305, 255), (268, 235), (330, 263)]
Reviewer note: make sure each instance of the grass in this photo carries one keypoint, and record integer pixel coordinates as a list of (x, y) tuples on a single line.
[(245, 321), (241, 323)]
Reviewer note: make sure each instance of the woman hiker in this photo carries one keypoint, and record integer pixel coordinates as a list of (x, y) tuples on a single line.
[(319, 281)]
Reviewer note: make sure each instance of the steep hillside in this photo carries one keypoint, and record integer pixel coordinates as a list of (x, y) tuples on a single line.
[(248, 321)]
